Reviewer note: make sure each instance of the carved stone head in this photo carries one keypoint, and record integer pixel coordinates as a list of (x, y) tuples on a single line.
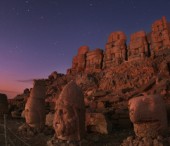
[(148, 110), (35, 106), (69, 119)]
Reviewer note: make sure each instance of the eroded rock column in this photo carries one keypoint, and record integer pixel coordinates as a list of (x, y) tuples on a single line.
[(115, 52), (160, 36), (138, 47)]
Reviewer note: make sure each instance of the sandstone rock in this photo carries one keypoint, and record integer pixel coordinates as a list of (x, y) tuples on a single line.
[(54, 75), (98, 122), (138, 47), (160, 36), (83, 50), (94, 60), (49, 119), (79, 61), (86, 81), (15, 114), (115, 52)]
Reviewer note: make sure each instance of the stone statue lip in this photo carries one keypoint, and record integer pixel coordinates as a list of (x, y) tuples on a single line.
[(147, 121)]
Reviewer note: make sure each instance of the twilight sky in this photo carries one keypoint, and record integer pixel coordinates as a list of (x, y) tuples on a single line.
[(41, 36)]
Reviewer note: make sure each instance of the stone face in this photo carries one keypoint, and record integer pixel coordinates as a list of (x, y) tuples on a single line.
[(160, 36), (94, 60), (69, 118), (3, 104), (143, 111), (35, 106), (79, 61), (138, 47), (115, 52)]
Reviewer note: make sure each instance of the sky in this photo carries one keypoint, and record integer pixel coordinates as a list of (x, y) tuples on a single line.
[(38, 37)]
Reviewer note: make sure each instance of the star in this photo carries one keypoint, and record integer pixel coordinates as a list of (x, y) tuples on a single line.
[(91, 5), (42, 17), (17, 13), (26, 1), (28, 10)]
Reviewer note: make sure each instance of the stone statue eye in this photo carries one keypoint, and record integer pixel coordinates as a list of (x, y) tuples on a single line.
[(60, 112)]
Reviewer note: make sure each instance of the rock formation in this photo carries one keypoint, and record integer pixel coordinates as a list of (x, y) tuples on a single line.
[(94, 60), (115, 52), (79, 61), (98, 122), (3, 104), (35, 106), (160, 36), (69, 119), (107, 85), (138, 47)]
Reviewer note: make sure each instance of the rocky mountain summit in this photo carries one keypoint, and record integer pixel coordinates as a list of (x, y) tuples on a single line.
[(112, 82)]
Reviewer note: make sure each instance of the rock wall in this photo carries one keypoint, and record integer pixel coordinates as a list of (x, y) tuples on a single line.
[(117, 52)]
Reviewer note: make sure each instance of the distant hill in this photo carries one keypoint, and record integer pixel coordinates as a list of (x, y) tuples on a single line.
[(10, 94)]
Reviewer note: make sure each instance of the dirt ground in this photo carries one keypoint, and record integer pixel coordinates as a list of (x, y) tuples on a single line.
[(14, 139)]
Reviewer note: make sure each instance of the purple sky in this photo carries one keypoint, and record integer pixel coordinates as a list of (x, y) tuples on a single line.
[(41, 36)]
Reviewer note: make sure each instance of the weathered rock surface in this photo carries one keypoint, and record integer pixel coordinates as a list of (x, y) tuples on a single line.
[(94, 60), (138, 47), (160, 36), (144, 111), (115, 52), (98, 122)]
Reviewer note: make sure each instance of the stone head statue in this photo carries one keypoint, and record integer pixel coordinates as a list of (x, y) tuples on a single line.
[(35, 106), (69, 119), (148, 110)]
